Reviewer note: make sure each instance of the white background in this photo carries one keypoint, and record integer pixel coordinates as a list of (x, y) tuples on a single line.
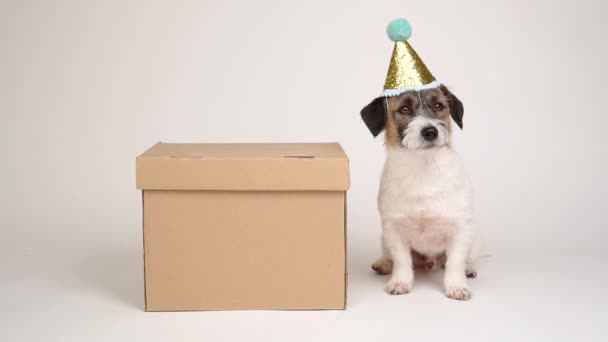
[(85, 86)]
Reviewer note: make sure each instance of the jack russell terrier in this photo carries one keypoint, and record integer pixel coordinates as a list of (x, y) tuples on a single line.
[(425, 198)]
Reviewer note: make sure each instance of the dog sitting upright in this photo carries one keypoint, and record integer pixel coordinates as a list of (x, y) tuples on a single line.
[(425, 199)]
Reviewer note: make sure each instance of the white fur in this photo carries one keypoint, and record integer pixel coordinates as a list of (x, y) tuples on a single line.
[(413, 140), (426, 204)]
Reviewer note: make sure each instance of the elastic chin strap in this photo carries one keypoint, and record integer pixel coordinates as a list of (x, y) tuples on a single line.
[(386, 102)]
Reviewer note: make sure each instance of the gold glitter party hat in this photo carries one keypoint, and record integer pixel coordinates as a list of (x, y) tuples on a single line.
[(406, 71)]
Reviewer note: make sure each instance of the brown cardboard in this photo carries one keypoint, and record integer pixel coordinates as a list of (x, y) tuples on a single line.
[(244, 226), (243, 167)]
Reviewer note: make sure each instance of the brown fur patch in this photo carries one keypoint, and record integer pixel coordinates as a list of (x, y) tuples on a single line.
[(391, 133)]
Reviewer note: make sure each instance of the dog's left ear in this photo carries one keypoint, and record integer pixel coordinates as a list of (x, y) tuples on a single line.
[(374, 116), (456, 107)]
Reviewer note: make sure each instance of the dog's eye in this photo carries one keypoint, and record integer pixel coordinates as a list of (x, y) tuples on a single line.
[(404, 110), (437, 107)]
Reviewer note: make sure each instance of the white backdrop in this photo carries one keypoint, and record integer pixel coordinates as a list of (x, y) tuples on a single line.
[(85, 86)]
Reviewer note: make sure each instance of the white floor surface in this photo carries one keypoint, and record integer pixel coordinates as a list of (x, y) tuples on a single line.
[(79, 293)]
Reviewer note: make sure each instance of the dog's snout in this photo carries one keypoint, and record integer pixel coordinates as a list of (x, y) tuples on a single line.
[(429, 133)]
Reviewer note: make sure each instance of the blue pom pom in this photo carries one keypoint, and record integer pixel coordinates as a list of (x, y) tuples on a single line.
[(399, 30)]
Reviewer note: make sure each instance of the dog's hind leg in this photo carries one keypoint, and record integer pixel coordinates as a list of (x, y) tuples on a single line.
[(384, 265), (470, 270)]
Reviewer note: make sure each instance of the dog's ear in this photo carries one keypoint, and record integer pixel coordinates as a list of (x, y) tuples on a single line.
[(374, 115), (456, 107)]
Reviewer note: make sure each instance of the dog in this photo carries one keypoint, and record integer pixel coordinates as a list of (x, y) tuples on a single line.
[(425, 198)]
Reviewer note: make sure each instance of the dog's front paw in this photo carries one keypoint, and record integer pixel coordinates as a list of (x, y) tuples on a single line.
[(383, 266), (458, 292), (398, 287)]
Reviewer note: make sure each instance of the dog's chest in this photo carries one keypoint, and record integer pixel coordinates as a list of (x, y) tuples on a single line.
[(428, 181), (424, 194)]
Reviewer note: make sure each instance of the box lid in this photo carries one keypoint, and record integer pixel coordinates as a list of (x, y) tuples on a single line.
[(279, 166)]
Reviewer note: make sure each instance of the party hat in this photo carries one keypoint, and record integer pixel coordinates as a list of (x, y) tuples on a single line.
[(407, 71)]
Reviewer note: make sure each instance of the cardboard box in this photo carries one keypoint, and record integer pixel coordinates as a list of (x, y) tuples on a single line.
[(244, 226)]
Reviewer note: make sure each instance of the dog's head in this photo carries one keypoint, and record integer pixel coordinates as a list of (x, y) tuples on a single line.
[(414, 120)]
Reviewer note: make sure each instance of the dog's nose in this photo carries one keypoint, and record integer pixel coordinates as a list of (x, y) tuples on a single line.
[(429, 133)]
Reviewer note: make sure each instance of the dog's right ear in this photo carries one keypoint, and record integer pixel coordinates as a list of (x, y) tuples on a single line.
[(374, 115)]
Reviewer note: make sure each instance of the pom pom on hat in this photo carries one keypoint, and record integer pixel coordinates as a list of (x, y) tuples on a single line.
[(399, 30)]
